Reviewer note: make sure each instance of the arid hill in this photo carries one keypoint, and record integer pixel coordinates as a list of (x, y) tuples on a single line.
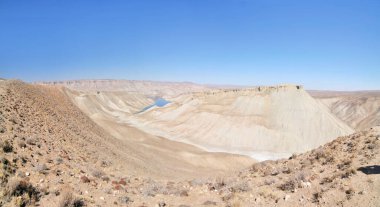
[(360, 109), (264, 122), (344, 172), (149, 88), (48, 142), (53, 155)]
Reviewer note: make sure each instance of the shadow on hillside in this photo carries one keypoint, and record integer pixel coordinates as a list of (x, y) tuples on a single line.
[(368, 170)]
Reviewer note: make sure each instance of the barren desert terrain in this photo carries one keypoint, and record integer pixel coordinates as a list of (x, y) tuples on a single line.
[(111, 143), (190, 103)]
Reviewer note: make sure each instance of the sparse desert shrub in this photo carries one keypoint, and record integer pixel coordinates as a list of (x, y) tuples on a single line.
[(289, 185), (161, 204), (264, 168), (269, 193), (275, 172), (2, 129), (21, 144), (97, 173), (152, 189), (294, 156), (105, 178), (78, 202), (23, 159), (255, 167), (369, 155), (31, 141), (306, 163), (58, 160), (291, 166), (324, 156), (174, 190), (49, 160), (348, 173), (6, 170), (12, 186), (13, 119), (317, 196), (44, 190), (85, 179), (302, 176), (21, 188), (69, 200), (329, 159), (208, 203), (286, 170), (371, 146), (326, 180), (41, 168), (105, 163), (349, 193), (228, 196), (124, 200), (123, 182), (269, 181), (319, 153), (197, 182), (240, 187), (350, 147), (7, 146), (345, 164), (66, 199), (183, 193), (217, 184)]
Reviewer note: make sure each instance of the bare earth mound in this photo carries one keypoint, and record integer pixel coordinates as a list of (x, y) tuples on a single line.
[(263, 122)]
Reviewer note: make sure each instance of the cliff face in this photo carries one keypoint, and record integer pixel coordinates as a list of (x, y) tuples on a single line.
[(150, 88), (250, 90)]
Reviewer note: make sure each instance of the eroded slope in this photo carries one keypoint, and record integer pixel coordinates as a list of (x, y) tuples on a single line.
[(51, 152), (344, 172), (149, 88), (53, 155), (264, 122), (360, 110)]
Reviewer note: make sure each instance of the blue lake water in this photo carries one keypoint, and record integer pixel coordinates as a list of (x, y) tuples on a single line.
[(160, 102)]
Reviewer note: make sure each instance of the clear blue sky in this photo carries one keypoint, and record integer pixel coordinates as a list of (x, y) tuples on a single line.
[(322, 44)]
